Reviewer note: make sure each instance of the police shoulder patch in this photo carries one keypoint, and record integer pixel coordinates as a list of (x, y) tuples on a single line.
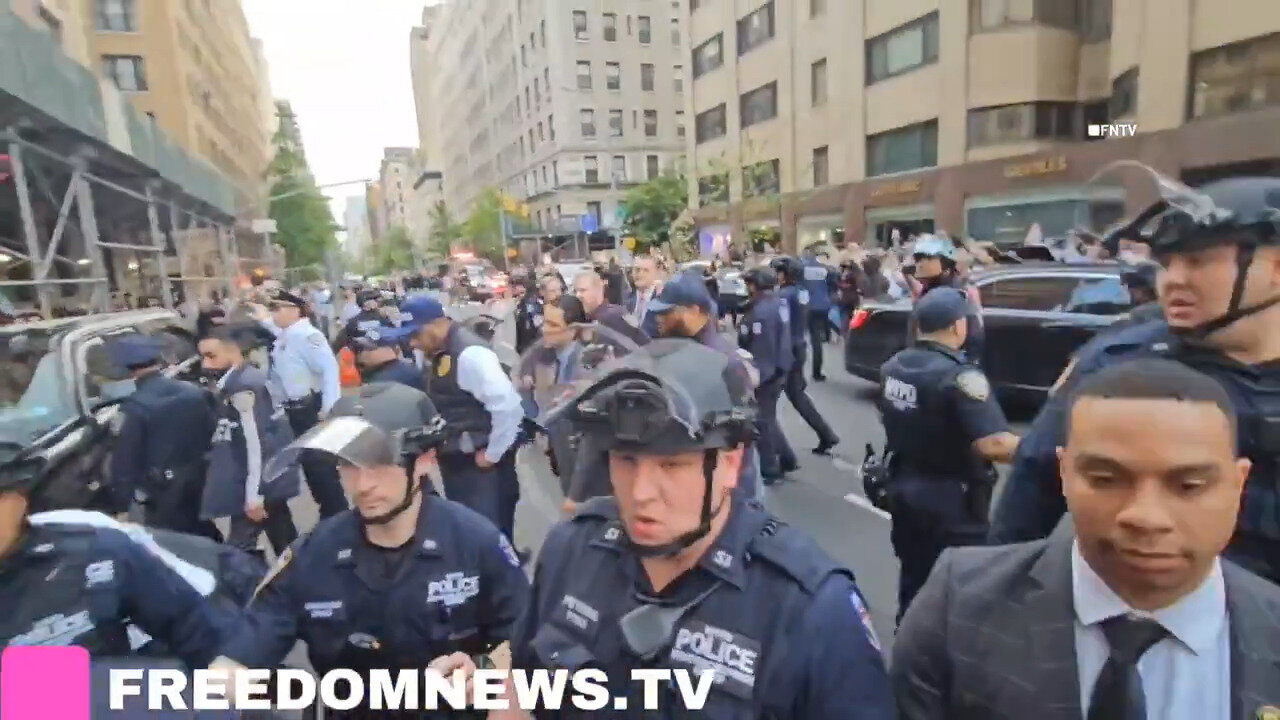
[(507, 551), (974, 385), (864, 616), (444, 365), (282, 562)]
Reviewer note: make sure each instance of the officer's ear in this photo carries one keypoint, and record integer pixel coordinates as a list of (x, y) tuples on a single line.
[(729, 466)]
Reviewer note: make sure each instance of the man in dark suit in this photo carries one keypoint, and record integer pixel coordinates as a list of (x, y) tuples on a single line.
[(648, 285), (1127, 611)]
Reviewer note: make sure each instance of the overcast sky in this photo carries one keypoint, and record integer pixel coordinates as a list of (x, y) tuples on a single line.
[(344, 65)]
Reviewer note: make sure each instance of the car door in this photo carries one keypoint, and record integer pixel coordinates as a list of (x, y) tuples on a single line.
[(1014, 308)]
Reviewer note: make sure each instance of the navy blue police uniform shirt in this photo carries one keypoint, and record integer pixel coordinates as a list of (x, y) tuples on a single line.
[(766, 334), (1032, 504), (399, 371), (456, 586), (819, 284), (167, 424), (935, 403), (785, 628), (797, 302), (72, 584)]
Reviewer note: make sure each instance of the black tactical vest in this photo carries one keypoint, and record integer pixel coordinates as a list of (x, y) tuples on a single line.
[(466, 417)]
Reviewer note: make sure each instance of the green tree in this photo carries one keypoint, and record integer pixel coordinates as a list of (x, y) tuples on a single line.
[(393, 252), (444, 231), (304, 224), (482, 230), (651, 208)]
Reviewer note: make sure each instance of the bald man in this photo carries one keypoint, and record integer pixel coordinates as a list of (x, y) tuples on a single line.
[(589, 287)]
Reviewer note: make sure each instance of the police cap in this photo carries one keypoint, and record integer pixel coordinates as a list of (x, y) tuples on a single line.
[(135, 351), (940, 309), (763, 278)]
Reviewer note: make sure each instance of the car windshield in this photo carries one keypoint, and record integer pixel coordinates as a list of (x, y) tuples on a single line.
[(32, 397)]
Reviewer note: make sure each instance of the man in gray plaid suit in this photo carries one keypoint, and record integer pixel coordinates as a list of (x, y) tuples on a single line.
[(1126, 612)]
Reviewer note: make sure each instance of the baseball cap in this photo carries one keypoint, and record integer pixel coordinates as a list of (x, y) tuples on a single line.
[(940, 309), (368, 338), (684, 290), (414, 313), (135, 351)]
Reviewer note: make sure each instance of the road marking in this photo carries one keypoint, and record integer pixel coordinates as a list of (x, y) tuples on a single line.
[(862, 502)]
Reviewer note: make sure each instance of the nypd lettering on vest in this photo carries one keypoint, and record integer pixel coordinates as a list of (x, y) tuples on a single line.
[(902, 395), (323, 609), (56, 629), (578, 613), (99, 573), (454, 590), (732, 657)]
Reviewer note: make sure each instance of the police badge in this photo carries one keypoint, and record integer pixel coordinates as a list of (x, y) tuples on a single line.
[(974, 385), (444, 365)]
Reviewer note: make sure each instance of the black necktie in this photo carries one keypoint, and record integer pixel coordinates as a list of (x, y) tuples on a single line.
[(1118, 694)]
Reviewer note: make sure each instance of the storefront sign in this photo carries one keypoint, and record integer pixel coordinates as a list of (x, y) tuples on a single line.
[(1039, 167), (897, 188)]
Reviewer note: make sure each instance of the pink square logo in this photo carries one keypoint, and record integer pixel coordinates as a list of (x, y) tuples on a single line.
[(44, 683)]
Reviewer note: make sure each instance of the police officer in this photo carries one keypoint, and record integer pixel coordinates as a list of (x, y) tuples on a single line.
[(466, 382), (766, 334), (369, 317), (942, 427), (935, 267), (819, 284), (405, 577), (159, 454), (378, 355), (306, 371), (252, 428), (797, 296), (1223, 328), (676, 572), (64, 582)]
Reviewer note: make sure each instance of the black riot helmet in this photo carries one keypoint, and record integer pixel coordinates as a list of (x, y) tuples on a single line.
[(669, 397), (761, 278), (1243, 211), (383, 424), (790, 270)]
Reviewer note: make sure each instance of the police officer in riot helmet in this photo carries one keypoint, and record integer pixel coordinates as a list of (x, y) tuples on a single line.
[(936, 267), (766, 334), (943, 427), (405, 579), (798, 297), (1219, 286), (675, 571)]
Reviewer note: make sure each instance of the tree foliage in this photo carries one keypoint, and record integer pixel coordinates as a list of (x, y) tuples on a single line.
[(393, 253), (304, 223), (444, 231), (482, 230), (652, 208)]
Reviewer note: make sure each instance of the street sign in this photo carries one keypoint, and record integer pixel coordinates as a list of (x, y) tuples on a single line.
[(589, 223)]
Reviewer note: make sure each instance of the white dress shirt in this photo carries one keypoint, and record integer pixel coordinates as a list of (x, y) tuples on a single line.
[(481, 374), (1186, 676)]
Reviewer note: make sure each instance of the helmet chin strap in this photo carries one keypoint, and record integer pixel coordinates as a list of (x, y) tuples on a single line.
[(684, 541), (1244, 259)]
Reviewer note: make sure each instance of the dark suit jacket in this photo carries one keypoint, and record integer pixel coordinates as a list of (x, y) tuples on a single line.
[(650, 322), (991, 635)]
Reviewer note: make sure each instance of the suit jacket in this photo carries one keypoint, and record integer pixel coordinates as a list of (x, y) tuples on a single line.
[(992, 635), (649, 323)]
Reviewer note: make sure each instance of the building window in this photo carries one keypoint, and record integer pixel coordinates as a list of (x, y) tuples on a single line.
[(528, 105), (903, 49), (613, 76), (651, 170), (532, 145), (651, 123), (555, 174), (675, 32), (541, 135), (646, 77), (615, 123), (644, 29), (1019, 123), (1124, 95), (126, 71), (708, 56), (591, 169), (818, 82), (755, 29), (680, 124), (677, 78), (713, 189), (619, 171), (584, 75), (1236, 77), (116, 16), (611, 27), (817, 7), (760, 179), (551, 127), (695, 4), (759, 105), (995, 14), (710, 125), (524, 56), (908, 148), (1095, 25), (587, 118), (580, 24), (542, 32), (821, 171)]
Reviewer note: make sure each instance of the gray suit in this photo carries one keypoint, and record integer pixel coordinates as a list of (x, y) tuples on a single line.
[(991, 635)]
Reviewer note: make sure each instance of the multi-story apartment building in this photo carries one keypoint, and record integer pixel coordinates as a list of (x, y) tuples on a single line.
[(192, 67), (562, 104), (356, 221), (848, 119), (396, 176)]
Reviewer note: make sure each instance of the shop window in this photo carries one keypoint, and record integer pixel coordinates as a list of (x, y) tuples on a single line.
[(755, 29), (821, 172), (904, 149), (1235, 78), (710, 125), (1124, 95), (1008, 225), (713, 189), (903, 49), (708, 56), (761, 178), (759, 105), (1016, 123)]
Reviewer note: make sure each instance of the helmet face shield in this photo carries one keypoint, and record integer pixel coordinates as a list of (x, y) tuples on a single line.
[(565, 360), (352, 440), (1161, 211)]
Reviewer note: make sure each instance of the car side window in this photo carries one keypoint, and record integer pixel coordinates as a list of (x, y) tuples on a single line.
[(1044, 293), (1100, 296)]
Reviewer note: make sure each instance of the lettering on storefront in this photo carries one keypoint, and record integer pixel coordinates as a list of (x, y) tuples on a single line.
[(897, 188), (1048, 166)]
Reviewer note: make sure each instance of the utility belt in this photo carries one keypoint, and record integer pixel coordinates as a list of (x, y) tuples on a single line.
[(978, 483), (302, 403)]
